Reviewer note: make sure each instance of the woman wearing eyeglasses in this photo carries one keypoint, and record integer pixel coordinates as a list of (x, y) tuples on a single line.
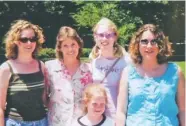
[(108, 60), (67, 77), (21, 77), (152, 92)]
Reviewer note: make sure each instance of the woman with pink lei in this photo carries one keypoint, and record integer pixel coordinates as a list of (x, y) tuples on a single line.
[(22, 78), (94, 102), (108, 60), (67, 77), (152, 90)]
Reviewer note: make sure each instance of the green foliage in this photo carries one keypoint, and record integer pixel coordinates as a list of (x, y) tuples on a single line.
[(53, 7), (88, 15), (129, 15), (126, 31), (49, 53), (2, 49), (91, 12), (2, 46), (2, 52), (51, 15), (46, 54), (86, 52)]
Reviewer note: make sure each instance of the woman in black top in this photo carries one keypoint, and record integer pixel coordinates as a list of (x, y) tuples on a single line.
[(21, 77)]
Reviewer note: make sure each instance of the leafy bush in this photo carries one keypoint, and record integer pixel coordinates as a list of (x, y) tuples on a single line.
[(125, 33), (86, 52), (49, 53), (46, 54)]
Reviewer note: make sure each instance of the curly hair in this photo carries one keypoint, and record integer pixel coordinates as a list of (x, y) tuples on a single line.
[(119, 50), (164, 45), (14, 34), (90, 92), (64, 33)]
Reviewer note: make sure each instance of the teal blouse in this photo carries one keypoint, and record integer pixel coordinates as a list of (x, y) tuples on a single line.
[(152, 101)]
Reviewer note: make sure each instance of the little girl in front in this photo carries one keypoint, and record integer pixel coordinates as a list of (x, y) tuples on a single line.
[(94, 103)]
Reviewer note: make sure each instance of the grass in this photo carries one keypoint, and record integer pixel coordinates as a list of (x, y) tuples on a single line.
[(85, 59), (182, 66)]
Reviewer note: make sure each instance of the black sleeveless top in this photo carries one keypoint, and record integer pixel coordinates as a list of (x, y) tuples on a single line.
[(24, 96)]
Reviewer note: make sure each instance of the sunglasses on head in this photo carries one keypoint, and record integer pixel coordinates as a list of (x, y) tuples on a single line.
[(25, 39), (146, 41), (107, 36)]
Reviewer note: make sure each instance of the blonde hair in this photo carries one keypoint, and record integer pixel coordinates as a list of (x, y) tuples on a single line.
[(119, 50), (91, 91), (14, 34), (64, 33)]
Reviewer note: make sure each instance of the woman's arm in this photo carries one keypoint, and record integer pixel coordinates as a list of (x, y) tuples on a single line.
[(122, 100), (181, 98), (4, 80), (46, 86)]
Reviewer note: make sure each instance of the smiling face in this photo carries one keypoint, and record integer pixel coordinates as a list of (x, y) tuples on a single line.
[(27, 41), (148, 46), (96, 105), (105, 37), (69, 48)]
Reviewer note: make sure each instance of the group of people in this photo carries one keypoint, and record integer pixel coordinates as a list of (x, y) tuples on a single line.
[(116, 88)]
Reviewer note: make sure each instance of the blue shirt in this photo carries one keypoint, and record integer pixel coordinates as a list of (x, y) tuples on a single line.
[(152, 101)]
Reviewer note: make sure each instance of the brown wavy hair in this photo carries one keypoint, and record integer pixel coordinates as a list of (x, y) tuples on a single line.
[(90, 91), (64, 33), (164, 45), (14, 34)]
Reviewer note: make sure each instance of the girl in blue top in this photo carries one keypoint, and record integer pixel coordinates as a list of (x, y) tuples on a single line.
[(152, 91)]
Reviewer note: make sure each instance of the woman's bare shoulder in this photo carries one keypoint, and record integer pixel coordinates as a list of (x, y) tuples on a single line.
[(4, 67)]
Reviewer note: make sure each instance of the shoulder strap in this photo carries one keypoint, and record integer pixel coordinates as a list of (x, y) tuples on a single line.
[(39, 65), (110, 69), (11, 70)]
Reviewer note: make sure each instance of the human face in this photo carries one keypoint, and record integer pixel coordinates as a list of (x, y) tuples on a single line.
[(148, 46), (96, 106), (69, 48), (105, 37), (29, 45)]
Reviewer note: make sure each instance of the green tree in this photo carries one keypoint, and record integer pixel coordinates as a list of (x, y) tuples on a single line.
[(89, 13), (49, 15), (169, 15)]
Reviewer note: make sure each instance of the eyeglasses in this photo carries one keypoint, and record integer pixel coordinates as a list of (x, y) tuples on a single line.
[(107, 36), (146, 41), (25, 39)]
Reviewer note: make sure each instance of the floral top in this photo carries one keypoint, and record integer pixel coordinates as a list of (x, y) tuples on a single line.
[(66, 92)]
